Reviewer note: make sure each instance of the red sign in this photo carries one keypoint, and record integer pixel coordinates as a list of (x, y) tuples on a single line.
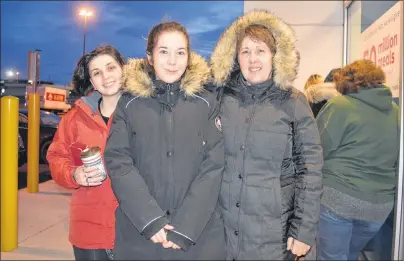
[(51, 96)]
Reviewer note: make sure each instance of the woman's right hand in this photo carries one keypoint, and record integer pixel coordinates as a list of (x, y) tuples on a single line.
[(88, 176), (160, 237)]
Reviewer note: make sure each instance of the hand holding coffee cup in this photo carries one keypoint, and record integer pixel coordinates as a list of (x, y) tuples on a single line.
[(88, 176), (93, 172)]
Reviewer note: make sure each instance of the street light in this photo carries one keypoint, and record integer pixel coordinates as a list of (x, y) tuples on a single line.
[(86, 14), (17, 74), (9, 73)]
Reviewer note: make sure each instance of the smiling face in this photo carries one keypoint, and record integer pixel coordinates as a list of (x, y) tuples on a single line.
[(105, 74), (169, 57), (255, 59)]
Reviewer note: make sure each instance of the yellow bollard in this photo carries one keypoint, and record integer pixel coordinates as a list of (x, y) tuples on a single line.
[(33, 142), (9, 173)]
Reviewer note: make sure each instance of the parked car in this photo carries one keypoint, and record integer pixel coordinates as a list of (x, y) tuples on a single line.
[(48, 125), (22, 152)]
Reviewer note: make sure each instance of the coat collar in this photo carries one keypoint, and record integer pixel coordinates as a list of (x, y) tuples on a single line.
[(321, 92), (139, 82)]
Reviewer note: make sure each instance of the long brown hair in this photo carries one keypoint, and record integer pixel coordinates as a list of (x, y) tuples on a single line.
[(359, 74)]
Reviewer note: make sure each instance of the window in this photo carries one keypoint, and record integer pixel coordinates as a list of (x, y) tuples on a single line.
[(23, 119), (374, 32)]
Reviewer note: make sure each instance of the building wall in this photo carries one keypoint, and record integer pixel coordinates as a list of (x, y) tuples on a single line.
[(319, 29)]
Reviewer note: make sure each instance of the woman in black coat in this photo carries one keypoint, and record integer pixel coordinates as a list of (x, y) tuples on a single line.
[(165, 155), (270, 195), (318, 94)]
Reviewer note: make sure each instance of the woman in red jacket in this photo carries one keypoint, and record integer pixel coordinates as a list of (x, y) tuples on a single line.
[(92, 209)]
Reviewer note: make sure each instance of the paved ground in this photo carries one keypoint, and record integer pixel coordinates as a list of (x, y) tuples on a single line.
[(44, 175), (43, 225)]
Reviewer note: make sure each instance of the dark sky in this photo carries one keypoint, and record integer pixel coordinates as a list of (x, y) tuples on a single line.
[(56, 28)]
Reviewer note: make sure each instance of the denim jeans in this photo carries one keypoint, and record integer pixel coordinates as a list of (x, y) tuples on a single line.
[(342, 239), (92, 254)]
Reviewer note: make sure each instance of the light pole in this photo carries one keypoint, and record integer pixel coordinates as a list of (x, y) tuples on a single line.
[(10, 73), (86, 14), (17, 74)]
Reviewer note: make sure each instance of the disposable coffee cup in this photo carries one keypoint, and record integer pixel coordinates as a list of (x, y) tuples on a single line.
[(91, 156)]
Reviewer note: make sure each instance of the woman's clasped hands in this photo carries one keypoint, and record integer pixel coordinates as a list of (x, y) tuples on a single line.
[(161, 237)]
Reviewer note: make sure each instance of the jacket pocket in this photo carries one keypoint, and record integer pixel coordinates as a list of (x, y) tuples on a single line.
[(260, 199)]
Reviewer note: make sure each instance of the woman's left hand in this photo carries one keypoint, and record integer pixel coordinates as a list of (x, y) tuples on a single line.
[(297, 248)]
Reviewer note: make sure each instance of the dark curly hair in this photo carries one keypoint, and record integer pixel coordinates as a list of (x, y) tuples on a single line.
[(359, 74), (81, 76)]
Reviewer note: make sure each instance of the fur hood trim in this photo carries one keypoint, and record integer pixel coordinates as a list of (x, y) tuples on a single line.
[(285, 61), (321, 92), (138, 81)]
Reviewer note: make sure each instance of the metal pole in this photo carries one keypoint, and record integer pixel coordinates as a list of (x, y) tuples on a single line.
[(33, 133), (9, 173), (85, 29), (33, 142), (398, 238)]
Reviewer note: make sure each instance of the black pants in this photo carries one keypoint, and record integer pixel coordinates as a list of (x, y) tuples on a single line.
[(92, 254)]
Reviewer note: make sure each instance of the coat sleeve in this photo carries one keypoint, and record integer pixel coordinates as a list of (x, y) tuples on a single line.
[(202, 197), (308, 161), (129, 187), (61, 162)]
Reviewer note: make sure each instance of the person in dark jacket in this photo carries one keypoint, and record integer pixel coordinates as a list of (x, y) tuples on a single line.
[(270, 194), (318, 95), (97, 77), (330, 75), (359, 132), (313, 79), (165, 155)]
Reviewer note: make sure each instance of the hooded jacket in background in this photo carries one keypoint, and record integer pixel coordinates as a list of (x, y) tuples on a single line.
[(360, 138), (165, 159), (318, 95), (272, 181)]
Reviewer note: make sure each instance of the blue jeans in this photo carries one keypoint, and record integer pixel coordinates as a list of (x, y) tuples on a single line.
[(342, 239)]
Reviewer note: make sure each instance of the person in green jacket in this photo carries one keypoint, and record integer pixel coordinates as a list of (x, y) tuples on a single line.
[(360, 137)]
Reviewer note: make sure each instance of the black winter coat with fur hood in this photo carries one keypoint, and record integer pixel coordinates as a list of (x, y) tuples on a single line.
[(165, 158), (319, 94), (273, 157)]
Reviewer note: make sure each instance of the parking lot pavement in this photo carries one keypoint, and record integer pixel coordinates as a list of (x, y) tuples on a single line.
[(44, 175)]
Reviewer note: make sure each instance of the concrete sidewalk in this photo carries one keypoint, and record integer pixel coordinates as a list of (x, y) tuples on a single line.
[(43, 225)]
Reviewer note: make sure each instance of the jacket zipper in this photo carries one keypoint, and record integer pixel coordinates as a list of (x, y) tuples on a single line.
[(243, 181), (170, 146)]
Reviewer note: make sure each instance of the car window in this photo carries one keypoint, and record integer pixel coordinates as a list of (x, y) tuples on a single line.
[(49, 118), (23, 119)]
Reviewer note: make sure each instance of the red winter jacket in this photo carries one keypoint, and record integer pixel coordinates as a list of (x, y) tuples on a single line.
[(92, 209)]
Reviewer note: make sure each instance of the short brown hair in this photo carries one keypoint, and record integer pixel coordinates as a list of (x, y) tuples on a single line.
[(157, 30), (359, 74), (313, 79), (259, 33)]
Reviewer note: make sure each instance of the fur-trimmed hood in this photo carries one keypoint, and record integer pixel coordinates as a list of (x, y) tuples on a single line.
[(138, 80), (285, 62), (317, 93)]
